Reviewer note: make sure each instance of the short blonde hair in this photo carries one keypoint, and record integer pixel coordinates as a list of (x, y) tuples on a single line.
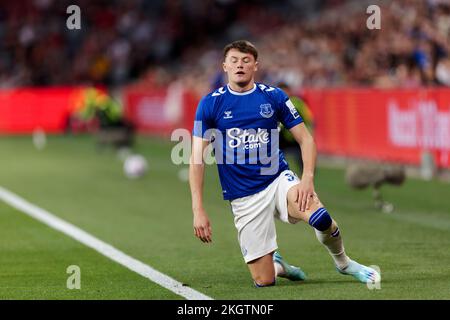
[(242, 46)]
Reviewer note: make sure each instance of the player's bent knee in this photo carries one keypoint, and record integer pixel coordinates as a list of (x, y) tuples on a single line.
[(261, 282), (264, 279), (294, 209), (320, 219)]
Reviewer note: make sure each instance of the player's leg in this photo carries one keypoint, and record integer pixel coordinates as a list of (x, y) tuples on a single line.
[(283, 183), (254, 220), (258, 245), (328, 233), (326, 229), (263, 271)]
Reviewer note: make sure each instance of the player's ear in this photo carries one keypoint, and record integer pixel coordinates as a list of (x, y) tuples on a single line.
[(224, 66), (256, 66)]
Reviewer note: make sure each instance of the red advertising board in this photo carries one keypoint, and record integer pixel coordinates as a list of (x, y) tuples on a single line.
[(388, 125), (27, 109), (160, 111)]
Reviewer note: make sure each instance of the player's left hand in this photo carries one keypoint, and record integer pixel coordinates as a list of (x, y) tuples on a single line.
[(305, 193)]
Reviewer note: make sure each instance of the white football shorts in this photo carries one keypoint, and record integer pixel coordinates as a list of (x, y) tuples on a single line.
[(254, 216)]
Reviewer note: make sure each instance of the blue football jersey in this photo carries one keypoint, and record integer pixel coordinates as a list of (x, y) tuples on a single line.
[(243, 128)]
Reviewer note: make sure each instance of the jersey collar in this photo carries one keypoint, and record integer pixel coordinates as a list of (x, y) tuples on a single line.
[(241, 93)]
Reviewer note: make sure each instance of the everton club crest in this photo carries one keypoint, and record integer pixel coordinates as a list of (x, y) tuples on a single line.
[(266, 110)]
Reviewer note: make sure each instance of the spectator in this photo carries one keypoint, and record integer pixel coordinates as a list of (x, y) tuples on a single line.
[(322, 43)]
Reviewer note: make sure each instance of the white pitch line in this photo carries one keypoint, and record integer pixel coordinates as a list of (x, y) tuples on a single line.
[(98, 245)]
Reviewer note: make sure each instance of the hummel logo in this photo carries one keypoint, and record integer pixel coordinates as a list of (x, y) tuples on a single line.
[(228, 115)]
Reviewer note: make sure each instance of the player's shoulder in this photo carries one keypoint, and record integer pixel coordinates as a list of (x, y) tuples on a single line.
[(271, 91), (215, 94), (213, 97)]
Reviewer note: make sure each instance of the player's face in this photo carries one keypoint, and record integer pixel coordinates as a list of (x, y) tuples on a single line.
[(240, 67)]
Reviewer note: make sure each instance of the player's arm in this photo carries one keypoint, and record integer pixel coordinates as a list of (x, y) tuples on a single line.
[(309, 155), (202, 227)]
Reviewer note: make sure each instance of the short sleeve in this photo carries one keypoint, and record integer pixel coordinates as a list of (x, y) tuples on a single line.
[(288, 114), (203, 120)]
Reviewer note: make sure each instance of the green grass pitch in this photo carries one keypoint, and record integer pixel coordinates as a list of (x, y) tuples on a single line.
[(151, 220)]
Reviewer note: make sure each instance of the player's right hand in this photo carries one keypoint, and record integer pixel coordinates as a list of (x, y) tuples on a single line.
[(202, 227)]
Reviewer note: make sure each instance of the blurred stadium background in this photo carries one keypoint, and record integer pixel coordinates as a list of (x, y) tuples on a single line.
[(135, 72)]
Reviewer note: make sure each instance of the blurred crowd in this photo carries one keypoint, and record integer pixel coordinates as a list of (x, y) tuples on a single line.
[(302, 43), (333, 47)]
